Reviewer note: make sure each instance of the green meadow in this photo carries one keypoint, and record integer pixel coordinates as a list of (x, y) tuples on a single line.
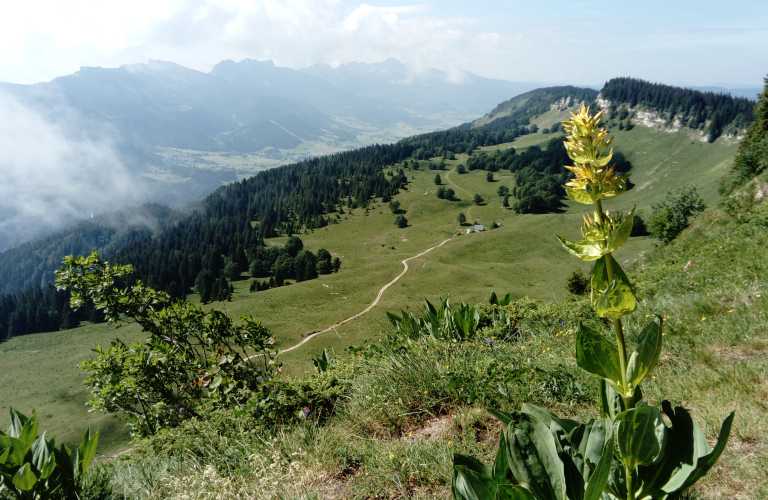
[(521, 257)]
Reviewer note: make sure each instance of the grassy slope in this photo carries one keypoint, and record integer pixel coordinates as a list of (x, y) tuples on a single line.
[(521, 257), (394, 436), (39, 372)]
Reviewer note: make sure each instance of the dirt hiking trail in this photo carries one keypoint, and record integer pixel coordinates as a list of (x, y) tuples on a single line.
[(367, 309)]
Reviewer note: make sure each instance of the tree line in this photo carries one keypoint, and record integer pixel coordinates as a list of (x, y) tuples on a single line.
[(34, 262), (715, 114), (41, 309)]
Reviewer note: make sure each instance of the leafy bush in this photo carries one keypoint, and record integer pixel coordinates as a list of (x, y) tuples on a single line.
[(673, 214), (577, 283), (401, 221), (190, 359)]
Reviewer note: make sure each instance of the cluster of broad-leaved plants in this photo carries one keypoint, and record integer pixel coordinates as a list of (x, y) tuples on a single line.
[(629, 452), (32, 468)]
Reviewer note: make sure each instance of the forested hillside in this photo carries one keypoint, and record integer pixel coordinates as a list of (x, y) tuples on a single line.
[(226, 231), (715, 114)]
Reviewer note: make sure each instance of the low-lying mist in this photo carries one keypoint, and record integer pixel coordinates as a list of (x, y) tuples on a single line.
[(54, 170)]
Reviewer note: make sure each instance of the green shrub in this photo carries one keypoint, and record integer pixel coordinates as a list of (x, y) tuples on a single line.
[(673, 214), (191, 358), (577, 283)]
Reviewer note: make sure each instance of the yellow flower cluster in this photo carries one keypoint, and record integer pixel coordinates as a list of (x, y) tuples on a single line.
[(598, 229), (586, 146)]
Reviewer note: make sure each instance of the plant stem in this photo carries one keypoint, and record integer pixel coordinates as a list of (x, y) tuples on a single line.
[(617, 326), (628, 401), (599, 207), (630, 483)]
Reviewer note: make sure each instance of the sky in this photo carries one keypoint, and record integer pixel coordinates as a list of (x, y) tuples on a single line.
[(678, 42)]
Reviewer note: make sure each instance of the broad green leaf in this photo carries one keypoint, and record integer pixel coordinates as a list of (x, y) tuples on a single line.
[(602, 160), (581, 195), (560, 427), (680, 456), (18, 450), (510, 492), (616, 301), (599, 478), (504, 417), (4, 455), (40, 452), (645, 357), (547, 416), (621, 234), (474, 486), (215, 382), (25, 479), (584, 250), (589, 441), (18, 420), (705, 462), (617, 481), (598, 356), (599, 278), (28, 432), (533, 457), (471, 463), (48, 467), (88, 451), (640, 435), (502, 473), (538, 412)]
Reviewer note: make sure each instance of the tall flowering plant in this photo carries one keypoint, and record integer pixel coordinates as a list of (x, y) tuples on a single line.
[(629, 452)]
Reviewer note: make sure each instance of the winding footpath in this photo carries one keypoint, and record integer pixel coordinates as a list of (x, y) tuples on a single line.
[(367, 309)]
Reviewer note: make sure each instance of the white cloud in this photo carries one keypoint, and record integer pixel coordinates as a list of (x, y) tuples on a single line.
[(42, 39), (200, 33), (48, 176)]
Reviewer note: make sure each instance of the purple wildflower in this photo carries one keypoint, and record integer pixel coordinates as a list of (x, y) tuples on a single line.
[(306, 411)]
